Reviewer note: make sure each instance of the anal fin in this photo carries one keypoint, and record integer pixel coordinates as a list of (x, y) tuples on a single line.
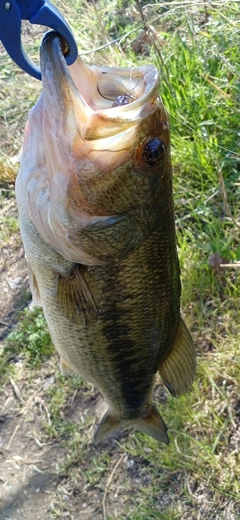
[(178, 369), (66, 370), (34, 287)]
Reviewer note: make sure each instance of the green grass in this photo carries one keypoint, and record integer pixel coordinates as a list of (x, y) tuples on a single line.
[(29, 340), (9, 226), (200, 68), (32, 334)]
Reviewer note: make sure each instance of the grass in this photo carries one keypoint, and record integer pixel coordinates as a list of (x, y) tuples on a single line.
[(31, 333), (197, 476)]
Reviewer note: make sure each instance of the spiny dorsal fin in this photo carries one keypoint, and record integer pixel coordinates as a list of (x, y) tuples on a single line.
[(178, 369), (152, 425), (74, 296)]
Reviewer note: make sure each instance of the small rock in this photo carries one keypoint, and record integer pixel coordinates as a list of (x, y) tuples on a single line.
[(48, 382), (15, 282)]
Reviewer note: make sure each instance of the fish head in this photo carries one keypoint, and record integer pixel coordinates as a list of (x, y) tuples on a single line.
[(96, 153)]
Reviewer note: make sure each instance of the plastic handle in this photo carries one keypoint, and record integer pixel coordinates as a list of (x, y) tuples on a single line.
[(37, 12)]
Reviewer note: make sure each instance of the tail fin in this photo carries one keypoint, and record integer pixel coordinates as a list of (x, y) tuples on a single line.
[(178, 369), (107, 426), (152, 425)]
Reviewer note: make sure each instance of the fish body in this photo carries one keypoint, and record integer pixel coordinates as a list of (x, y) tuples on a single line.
[(95, 201)]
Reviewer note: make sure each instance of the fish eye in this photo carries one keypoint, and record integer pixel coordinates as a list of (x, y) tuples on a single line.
[(153, 151)]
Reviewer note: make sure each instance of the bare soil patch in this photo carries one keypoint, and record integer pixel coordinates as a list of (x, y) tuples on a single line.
[(14, 286)]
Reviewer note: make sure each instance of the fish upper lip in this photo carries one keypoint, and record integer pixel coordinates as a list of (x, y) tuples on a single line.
[(88, 87)]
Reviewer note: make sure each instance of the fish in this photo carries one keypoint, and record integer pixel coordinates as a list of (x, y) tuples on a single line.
[(96, 210)]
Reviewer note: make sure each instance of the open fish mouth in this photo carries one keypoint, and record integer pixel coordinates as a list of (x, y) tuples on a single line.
[(95, 148), (105, 101)]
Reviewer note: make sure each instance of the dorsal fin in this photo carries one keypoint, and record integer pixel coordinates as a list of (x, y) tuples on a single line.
[(178, 369)]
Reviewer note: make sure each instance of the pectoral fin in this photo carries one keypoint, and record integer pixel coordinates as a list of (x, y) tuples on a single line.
[(152, 425), (74, 297), (178, 369)]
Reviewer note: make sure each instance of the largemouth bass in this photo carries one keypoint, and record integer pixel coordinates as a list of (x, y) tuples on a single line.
[(94, 193)]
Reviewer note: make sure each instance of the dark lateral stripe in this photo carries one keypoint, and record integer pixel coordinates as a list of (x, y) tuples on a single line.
[(129, 365)]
